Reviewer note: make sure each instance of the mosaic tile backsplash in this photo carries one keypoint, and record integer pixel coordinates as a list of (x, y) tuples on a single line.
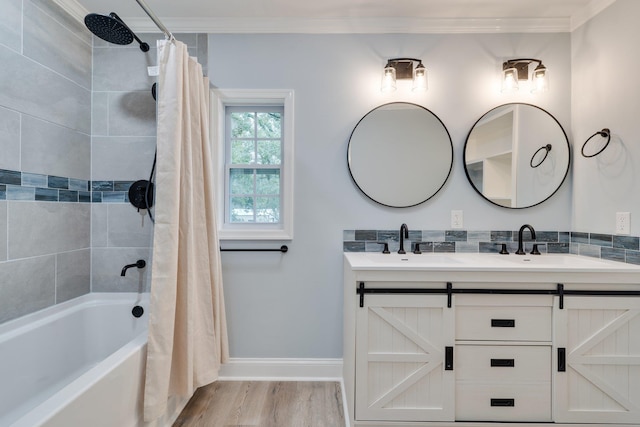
[(605, 246), (16, 185)]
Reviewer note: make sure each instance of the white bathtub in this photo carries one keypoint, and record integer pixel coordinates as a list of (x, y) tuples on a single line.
[(79, 363)]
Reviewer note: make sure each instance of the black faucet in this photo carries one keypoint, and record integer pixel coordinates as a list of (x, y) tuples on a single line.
[(404, 233), (520, 250), (140, 264)]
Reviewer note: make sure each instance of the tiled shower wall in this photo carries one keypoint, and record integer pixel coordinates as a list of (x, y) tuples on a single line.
[(45, 119), (123, 132), (66, 227)]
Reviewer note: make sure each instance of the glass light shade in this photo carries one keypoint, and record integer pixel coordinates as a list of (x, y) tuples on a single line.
[(420, 83), (388, 79), (540, 80), (510, 79)]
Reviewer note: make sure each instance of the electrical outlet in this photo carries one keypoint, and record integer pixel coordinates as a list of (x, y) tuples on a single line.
[(456, 219), (623, 222)]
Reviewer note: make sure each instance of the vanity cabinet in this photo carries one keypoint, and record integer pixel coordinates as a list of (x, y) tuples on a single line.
[(598, 340), (465, 344), (400, 359), (503, 358)]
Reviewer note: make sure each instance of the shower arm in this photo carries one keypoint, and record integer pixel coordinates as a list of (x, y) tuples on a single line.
[(155, 19)]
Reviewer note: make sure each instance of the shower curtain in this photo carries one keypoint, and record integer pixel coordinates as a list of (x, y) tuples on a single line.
[(187, 327)]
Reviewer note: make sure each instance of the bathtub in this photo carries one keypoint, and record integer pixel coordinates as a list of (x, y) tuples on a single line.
[(79, 363)]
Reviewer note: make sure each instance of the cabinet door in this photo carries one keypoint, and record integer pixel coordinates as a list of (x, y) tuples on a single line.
[(400, 359), (601, 342)]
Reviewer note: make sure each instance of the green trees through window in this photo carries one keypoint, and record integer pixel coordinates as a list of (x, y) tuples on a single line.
[(254, 164)]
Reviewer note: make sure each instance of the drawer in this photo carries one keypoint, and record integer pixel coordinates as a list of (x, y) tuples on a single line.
[(514, 402), (475, 323), (502, 363)]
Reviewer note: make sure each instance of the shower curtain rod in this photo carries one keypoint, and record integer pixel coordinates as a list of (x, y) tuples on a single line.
[(155, 19)]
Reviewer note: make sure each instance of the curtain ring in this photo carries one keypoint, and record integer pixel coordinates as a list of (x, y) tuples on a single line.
[(545, 147), (605, 133)]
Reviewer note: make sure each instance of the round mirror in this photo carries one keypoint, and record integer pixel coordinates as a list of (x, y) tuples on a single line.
[(517, 155), (400, 154)]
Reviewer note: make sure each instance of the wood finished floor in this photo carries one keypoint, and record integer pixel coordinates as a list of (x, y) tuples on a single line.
[(264, 404)]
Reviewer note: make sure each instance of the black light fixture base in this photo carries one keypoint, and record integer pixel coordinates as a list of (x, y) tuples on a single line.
[(403, 67)]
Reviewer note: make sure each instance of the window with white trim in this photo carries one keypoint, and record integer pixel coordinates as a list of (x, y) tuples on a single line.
[(255, 164)]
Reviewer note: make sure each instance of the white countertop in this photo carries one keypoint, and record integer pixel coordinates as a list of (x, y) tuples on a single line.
[(564, 263)]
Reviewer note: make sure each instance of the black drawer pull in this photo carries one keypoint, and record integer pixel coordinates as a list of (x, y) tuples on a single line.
[(503, 323), (507, 363), (503, 402)]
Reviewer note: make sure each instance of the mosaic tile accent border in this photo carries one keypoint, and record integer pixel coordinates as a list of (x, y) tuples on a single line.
[(16, 185), (605, 246)]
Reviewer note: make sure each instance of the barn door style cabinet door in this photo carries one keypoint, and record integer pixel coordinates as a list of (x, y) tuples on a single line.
[(597, 379), (403, 359)]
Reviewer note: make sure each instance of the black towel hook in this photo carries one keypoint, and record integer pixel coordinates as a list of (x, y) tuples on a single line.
[(545, 147), (605, 133)]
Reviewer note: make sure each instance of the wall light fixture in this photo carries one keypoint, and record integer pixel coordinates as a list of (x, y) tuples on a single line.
[(403, 68), (515, 70)]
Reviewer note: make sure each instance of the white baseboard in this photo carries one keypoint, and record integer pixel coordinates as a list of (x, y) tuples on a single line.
[(248, 369)]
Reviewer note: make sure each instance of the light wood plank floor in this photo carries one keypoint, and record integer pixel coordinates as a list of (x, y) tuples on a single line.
[(264, 404)]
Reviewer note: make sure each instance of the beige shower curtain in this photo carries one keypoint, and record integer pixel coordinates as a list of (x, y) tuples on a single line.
[(187, 327)]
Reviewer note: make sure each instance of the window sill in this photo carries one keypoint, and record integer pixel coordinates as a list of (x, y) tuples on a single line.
[(255, 235)]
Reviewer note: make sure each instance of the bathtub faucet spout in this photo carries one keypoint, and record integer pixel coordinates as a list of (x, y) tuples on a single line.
[(139, 264)]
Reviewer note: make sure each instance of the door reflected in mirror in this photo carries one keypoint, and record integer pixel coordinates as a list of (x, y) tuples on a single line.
[(400, 154), (517, 155)]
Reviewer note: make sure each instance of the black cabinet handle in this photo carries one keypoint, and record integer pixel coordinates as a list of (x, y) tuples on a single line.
[(503, 323), (503, 402), (448, 358), (507, 363), (562, 359)]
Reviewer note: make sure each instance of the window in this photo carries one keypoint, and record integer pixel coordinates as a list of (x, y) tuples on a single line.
[(253, 151), (255, 163)]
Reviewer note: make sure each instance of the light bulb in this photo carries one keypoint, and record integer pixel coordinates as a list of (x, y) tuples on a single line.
[(388, 79), (510, 80), (540, 79), (420, 83)]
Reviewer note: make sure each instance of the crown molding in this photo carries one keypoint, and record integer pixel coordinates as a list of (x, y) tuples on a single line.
[(73, 8), (353, 25), (236, 25), (588, 12)]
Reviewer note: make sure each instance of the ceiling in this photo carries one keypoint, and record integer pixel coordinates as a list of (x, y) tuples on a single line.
[(349, 16)]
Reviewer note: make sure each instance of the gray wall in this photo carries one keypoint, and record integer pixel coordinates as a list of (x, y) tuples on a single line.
[(606, 95), (291, 305), (45, 98)]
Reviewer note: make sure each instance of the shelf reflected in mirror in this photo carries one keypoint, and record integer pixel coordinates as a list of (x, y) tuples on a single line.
[(504, 161)]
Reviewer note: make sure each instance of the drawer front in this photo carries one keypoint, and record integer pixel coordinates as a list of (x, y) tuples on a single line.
[(502, 363), (503, 323), (513, 402)]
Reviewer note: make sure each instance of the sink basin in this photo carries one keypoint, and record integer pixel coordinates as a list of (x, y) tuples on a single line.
[(559, 260), (425, 259), (556, 261)]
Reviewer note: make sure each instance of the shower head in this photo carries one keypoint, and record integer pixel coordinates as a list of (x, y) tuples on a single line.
[(112, 29)]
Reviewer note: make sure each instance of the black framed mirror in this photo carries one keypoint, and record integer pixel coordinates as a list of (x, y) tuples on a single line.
[(517, 155), (400, 154)]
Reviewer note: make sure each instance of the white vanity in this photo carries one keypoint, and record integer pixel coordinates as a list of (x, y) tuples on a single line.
[(473, 339)]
